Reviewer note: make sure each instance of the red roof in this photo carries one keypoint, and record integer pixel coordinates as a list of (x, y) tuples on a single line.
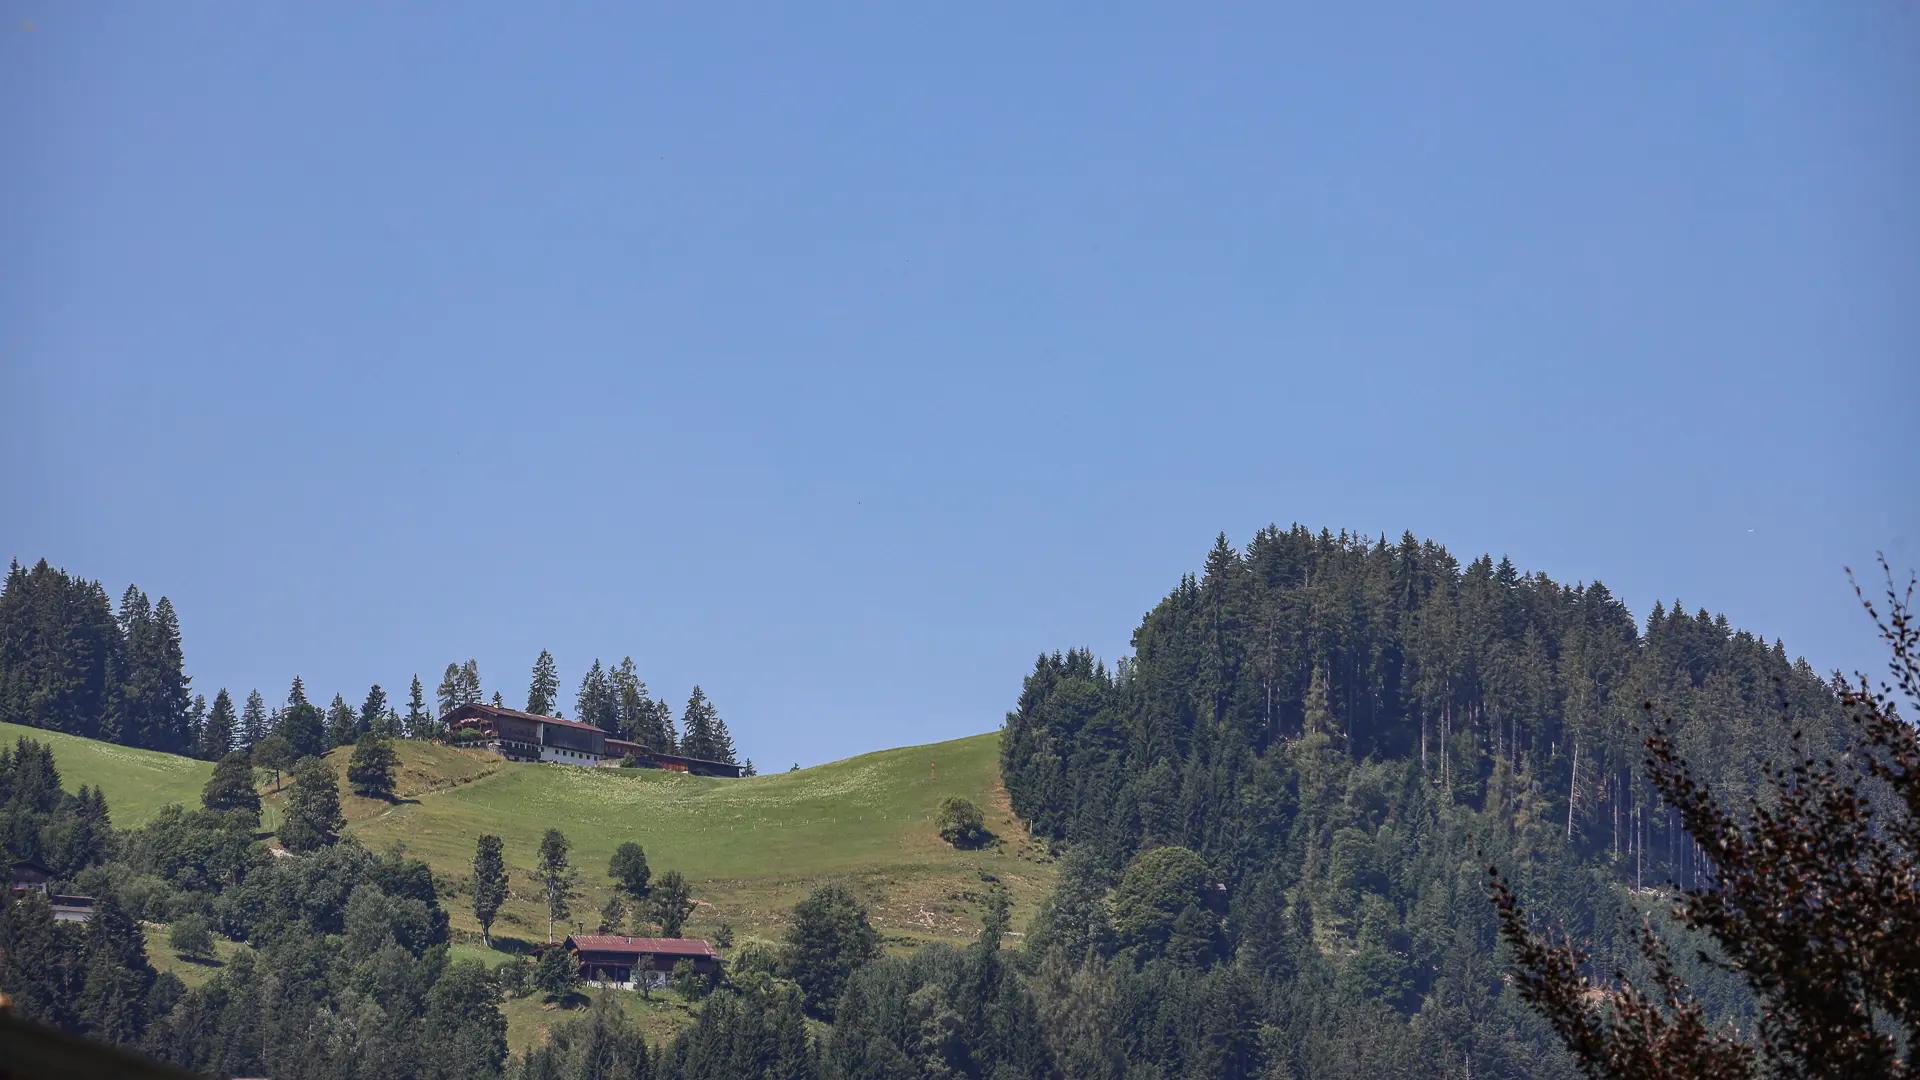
[(616, 943), (495, 710)]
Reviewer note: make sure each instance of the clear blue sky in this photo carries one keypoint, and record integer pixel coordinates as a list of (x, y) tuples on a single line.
[(844, 359)]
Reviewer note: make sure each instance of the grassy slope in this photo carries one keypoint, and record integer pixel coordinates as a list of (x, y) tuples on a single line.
[(137, 782), (752, 848)]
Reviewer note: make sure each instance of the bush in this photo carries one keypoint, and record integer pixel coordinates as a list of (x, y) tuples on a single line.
[(191, 938), (515, 977), (961, 823), (688, 980), (556, 973), (723, 936)]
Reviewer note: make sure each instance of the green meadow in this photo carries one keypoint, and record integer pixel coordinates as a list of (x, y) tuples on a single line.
[(137, 782), (751, 848)]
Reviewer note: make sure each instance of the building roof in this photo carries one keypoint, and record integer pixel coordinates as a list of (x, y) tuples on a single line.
[(495, 710), (616, 943)]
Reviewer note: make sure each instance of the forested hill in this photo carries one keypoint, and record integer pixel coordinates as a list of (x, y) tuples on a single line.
[(1344, 731)]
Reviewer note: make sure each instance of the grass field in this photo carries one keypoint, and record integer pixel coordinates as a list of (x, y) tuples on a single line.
[(137, 782), (752, 848)]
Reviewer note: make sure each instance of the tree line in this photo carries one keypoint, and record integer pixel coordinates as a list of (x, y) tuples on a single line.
[(69, 662)]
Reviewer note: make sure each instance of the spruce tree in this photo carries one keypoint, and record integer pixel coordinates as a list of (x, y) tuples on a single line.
[(723, 749), (173, 694), (470, 682), (631, 704), (558, 879), (231, 787), (373, 712), (217, 734), (452, 691), (196, 723), (371, 768), (596, 703), (343, 724), (135, 716), (489, 884), (312, 818), (254, 724), (419, 724), (697, 727), (670, 902), (545, 687), (302, 724)]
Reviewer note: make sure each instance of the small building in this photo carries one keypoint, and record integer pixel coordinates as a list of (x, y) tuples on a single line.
[(525, 736), (630, 962), (30, 876)]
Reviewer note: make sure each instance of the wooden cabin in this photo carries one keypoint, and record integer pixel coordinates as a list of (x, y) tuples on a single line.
[(629, 962)]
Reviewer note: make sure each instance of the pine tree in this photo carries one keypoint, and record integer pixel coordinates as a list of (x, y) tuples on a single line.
[(312, 819), (470, 682), (371, 768), (196, 722), (698, 738), (631, 704), (723, 749), (419, 724), (498, 701), (545, 687), (596, 703), (489, 884), (135, 715), (343, 724), (254, 724), (558, 879), (373, 712), (452, 691), (302, 724), (216, 735), (173, 694)]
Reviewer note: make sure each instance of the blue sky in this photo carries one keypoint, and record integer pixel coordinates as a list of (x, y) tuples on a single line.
[(842, 358)]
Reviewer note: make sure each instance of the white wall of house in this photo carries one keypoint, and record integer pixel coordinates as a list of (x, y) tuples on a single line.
[(567, 757)]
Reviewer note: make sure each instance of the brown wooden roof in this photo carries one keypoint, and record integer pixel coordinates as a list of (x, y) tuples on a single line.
[(663, 946), (495, 710)]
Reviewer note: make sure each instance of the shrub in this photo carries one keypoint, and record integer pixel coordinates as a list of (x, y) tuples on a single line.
[(556, 973), (723, 935), (961, 823), (191, 938), (688, 980)]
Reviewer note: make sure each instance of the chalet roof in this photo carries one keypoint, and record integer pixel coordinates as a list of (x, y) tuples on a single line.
[(657, 755), (616, 943), (495, 710)]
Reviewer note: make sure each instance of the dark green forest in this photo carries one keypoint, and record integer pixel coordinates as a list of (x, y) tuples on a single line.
[(1273, 821)]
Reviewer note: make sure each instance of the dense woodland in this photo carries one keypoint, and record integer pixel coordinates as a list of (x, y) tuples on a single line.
[(69, 662), (1272, 820)]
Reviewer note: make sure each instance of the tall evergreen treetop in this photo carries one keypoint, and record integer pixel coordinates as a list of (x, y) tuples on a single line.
[(418, 722), (217, 735), (254, 723), (343, 723), (373, 711), (452, 691), (544, 689), (702, 730)]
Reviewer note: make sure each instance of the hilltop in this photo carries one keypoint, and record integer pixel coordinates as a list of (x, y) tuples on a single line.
[(751, 848)]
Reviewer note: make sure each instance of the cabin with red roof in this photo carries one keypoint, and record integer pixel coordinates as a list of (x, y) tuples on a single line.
[(616, 960)]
